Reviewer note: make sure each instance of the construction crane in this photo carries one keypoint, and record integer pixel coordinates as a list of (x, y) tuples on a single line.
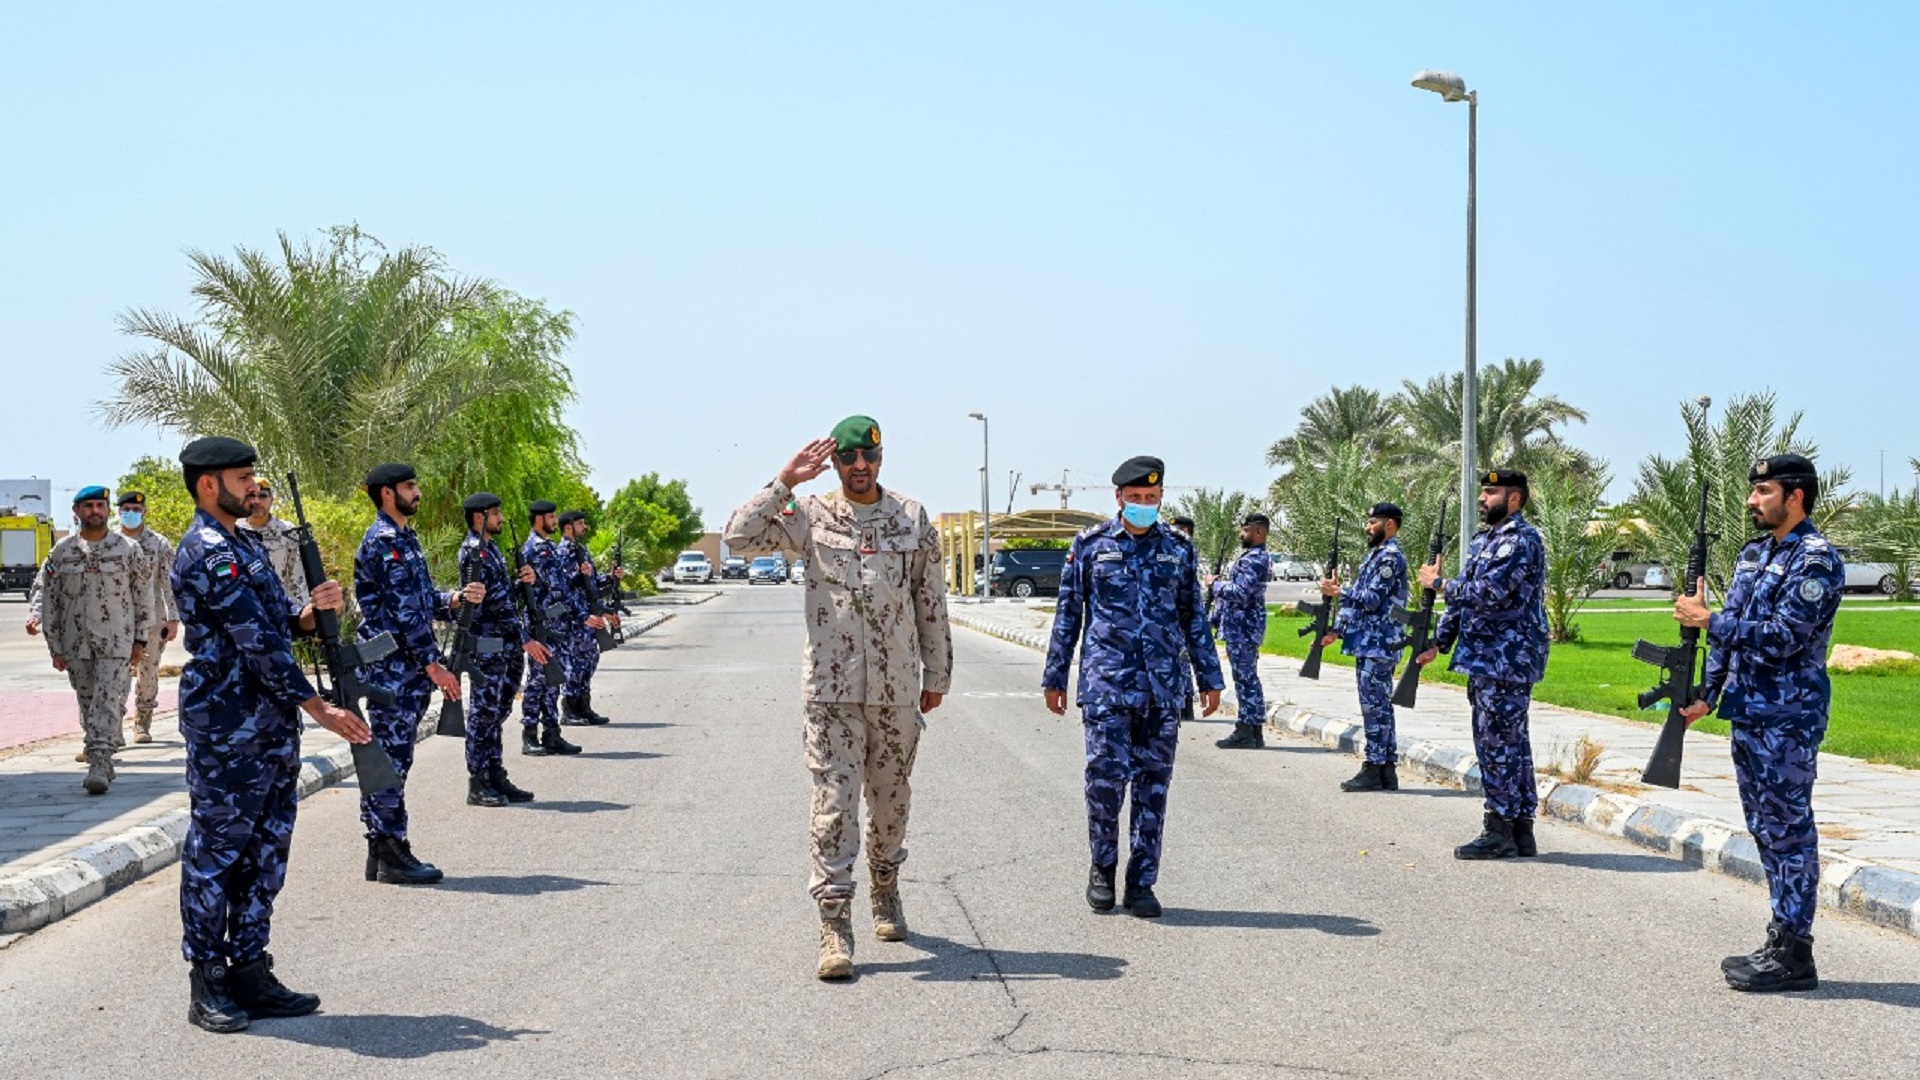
[(1066, 487)]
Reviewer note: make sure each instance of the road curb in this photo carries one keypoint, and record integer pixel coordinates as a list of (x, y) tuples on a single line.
[(59, 887), (1881, 895)]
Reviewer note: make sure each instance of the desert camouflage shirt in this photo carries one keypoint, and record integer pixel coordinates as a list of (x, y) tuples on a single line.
[(96, 599), (158, 551)]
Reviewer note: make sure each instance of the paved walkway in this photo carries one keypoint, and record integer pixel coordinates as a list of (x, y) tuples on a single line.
[(1869, 815)]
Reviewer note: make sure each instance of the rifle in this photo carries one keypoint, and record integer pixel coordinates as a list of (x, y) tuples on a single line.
[(1677, 666), (538, 616), (603, 636), (613, 587), (342, 687), (1322, 613), (466, 647), (1408, 689)]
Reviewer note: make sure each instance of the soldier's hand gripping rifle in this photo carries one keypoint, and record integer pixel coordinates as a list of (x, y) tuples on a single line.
[(342, 686), (466, 646), (1407, 691), (602, 634), (539, 618), (1678, 665), (1322, 613), (613, 597)]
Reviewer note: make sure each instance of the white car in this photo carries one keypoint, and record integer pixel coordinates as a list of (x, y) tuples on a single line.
[(1869, 576), (797, 573), (692, 568), (1294, 568)]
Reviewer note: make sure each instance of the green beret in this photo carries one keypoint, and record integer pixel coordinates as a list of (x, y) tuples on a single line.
[(856, 433)]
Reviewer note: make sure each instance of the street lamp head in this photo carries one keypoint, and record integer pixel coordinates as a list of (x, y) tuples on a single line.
[(1449, 86), (978, 416), (1704, 401)]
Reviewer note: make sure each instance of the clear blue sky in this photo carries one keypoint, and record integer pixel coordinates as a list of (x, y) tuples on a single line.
[(1115, 228)]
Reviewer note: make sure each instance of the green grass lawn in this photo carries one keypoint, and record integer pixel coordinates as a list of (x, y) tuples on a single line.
[(1871, 713)]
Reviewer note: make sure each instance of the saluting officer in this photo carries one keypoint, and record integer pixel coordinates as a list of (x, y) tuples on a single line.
[(539, 705), (97, 611), (576, 698), (238, 694), (1130, 600), (396, 595), (158, 551), (1369, 633), (1496, 610), (497, 675), (1240, 610), (1767, 675)]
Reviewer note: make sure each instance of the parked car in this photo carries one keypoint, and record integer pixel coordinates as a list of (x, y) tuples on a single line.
[(693, 568), (770, 569), (797, 573), (733, 568), (1869, 576), (1025, 572), (1657, 578), (1295, 568), (1627, 570)]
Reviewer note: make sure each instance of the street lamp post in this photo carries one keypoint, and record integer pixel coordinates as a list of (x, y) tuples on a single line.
[(986, 512), (1452, 87)]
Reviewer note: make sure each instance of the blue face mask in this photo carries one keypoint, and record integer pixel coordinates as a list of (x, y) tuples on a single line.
[(132, 518), (1139, 515)]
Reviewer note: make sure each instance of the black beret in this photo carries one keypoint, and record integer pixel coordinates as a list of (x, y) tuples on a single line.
[(1386, 511), (1183, 523), (392, 474), (540, 506), (1512, 478), (479, 502), (1256, 519), (131, 498), (1782, 467), (572, 516), (217, 452), (1142, 471)]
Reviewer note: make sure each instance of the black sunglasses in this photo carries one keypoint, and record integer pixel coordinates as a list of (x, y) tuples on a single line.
[(846, 457)]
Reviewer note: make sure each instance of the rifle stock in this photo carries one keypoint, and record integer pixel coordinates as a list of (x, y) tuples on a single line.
[(538, 618), (343, 687), (1678, 664), (1322, 613), (1407, 691)]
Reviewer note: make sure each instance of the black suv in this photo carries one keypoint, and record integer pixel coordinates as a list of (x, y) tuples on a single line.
[(1027, 572)]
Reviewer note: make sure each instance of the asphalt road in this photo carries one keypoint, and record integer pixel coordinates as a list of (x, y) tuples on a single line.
[(648, 917)]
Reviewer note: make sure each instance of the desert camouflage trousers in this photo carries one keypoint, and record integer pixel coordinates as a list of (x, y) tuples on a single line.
[(101, 685), (854, 749)]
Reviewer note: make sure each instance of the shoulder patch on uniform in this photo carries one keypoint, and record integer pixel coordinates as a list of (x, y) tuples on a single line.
[(1505, 549), (222, 564), (1108, 556), (1812, 589)]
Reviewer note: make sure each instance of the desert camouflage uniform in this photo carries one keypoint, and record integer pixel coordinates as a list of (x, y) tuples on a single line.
[(877, 635), (97, 604), (282, 549), (158, 551)]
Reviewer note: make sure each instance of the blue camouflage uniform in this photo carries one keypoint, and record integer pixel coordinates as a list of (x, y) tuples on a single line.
[(1497, 612), (496, 676), (1240, 611), (1369, 634), (1767, 676), (586, 647), (1131, 604), (396, 594), (551, 574), (239, 695)]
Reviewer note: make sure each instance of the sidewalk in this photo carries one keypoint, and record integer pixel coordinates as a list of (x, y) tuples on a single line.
[(1869, 815), (62, 849)]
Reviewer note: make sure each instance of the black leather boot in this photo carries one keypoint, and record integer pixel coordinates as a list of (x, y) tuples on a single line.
[(550, 738), (570, 714), (1389, 778), (1367, 779), (1244, 737), (211, 1005), (1140, 900), (259, 992), (480, 791), (586, 709), (1786, 964), (1523, 844), (393, 863), (1494, 842), (1774, 930), (1100, 888), (530, 743), (514, 793)]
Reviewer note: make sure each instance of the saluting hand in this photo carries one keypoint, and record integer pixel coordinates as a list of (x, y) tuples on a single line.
[(337, 720), (810, 462)]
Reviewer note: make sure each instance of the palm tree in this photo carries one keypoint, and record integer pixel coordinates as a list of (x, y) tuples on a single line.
[(1346, 415), (1216, 515), (1515, 425)]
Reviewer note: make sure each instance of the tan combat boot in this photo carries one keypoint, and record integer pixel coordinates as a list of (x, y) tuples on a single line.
[(836, 941), (143, 727), (99, 772), (889, 915)]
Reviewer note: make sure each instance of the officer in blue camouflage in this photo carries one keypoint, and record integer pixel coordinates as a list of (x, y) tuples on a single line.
[(1240, 611), (239, 692), (576, 698), (1185, 527), (496, 676), (540, 717), (1767, 675), (1497, 612), (1130, 600), (1369, 632), (396, 595)]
